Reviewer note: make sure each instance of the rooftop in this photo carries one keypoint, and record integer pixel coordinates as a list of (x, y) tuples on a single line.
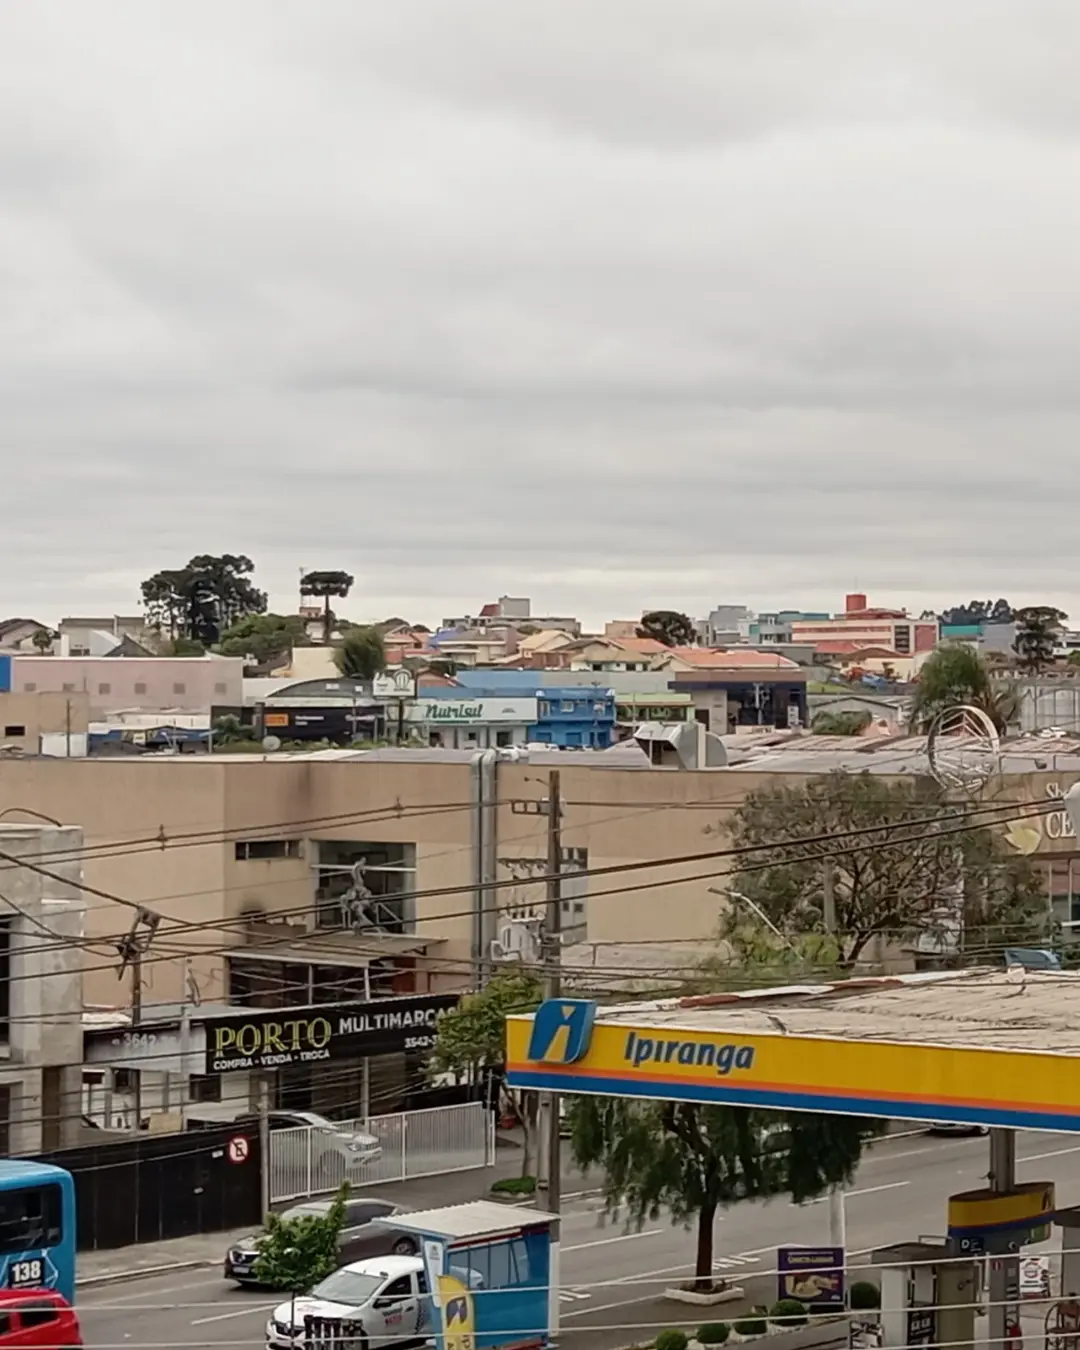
[(476, 1218), (975, 1009)]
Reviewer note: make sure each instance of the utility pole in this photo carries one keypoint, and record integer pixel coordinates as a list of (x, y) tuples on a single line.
[(136, 1022), (552, 950), (837, 1206)]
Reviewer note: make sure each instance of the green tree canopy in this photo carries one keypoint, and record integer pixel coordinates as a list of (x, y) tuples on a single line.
[(826, 723), (261, 636), (200, 600), (978, 611), (693, 1160), (956, 674), (326, 585), (361, 655), (471, 1042), (931, 887), (669, 627), (1036, 636), (296, 1253)]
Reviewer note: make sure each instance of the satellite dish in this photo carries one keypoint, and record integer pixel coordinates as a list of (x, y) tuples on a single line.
[(963, 748), (270, 744)]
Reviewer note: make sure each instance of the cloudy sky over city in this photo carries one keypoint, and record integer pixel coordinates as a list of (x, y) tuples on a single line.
[(614, 303)]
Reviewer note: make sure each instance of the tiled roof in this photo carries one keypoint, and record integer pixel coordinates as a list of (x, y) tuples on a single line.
[(706, 658)]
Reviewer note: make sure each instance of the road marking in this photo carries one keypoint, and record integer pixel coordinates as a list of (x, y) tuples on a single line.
[(624, 1237), (1054, 1153), (728, 1262), (866, 1190), (238, 1312), (571, 1296)]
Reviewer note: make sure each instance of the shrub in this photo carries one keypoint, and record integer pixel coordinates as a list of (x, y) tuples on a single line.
[(671, 1340), (788, 1312), (750, 1326), (713, 1333), (515, 1186), (863, 1294)]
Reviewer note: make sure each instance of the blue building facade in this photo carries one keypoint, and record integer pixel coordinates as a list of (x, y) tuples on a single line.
[(576, 717)]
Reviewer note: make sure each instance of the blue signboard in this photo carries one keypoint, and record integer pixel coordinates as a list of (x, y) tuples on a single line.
[(813, 1275)]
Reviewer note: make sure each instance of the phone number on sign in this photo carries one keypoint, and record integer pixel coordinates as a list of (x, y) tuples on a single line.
[(426, 1042)]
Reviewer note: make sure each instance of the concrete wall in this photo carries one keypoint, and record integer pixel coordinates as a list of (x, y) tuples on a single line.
[(43, 1070)]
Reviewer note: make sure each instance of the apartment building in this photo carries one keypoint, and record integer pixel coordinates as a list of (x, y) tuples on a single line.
[(861, 626)]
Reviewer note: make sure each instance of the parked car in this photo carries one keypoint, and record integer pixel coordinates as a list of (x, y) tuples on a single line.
[(947, 1127), (382, 1302), (37, 1319), (327, 1135), (361, 1236)]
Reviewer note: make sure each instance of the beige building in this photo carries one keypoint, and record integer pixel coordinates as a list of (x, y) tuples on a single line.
[(133, 683), (30, 721), (295, 874)]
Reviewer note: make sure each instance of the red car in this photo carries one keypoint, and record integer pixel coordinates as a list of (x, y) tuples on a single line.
[(37, 1319)]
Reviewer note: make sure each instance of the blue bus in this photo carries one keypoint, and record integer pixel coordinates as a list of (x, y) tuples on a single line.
[(37, 1227)]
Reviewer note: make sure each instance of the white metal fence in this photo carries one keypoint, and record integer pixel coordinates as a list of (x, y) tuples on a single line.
[(305, 1162)]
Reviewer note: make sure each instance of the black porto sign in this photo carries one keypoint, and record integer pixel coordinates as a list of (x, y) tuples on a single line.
[(270, 1038)]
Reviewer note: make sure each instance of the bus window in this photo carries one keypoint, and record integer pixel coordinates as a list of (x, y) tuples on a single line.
[(30, 1217)]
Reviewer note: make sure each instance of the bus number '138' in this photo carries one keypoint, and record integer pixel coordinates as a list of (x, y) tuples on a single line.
[(26, 1273)]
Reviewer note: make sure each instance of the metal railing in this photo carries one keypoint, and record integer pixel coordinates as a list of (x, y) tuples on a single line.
[(305, 1162)]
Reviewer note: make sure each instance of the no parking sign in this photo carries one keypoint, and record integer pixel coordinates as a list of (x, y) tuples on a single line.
[(238, 1149)]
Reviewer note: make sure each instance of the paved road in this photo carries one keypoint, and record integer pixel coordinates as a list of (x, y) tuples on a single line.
[(609, 1276)]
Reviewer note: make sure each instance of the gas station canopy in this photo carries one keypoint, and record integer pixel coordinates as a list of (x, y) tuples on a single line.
[(978, 1046)]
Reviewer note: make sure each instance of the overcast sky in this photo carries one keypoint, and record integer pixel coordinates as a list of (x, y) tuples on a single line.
[(613, 303)]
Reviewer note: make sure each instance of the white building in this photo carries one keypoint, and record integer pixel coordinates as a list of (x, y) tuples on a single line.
[(463, 723)]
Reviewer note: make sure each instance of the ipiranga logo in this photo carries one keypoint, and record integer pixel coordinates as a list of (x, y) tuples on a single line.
[(648, 1050)]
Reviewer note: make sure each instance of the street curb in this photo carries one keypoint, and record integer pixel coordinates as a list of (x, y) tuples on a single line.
[(143, 1273)]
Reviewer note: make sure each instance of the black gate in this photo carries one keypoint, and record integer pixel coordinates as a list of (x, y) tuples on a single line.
[(152, 1187)]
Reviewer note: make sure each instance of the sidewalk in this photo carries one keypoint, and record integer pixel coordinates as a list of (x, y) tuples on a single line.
[(203, 1250)]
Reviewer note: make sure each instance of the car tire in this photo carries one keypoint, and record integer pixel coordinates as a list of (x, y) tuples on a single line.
[(404, 1247)]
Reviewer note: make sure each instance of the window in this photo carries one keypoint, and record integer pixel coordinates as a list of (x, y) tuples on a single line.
[(902, 637), (14, 729), (249, 849), (399, 1288), (204, 1087), (40, 1316), (179, 687), (221, 688), (421, 1281), (104, 688), (140, 688), (545, 708), (502, 738), (30, 1218), (123, 1080), (363, 1211), (30, 687), (67, 689), (567, 706), (5, 1323)]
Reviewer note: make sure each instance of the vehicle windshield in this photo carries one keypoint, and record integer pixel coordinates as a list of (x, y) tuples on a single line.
[(347, 1286)]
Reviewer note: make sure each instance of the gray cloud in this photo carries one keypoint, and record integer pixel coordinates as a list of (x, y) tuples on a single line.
[(611, 302)]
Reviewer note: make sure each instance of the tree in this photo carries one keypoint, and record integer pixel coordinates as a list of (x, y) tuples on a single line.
[(978, 611), (827, 723), (1036, 636), (262, 636), (669, 627), (229, 730), (693, 1159), (296, 1253), (1073, 659), (326, 585), (203, 598), (956, 674), (361, 655), (471, 1042), (43, 640), (966, 887)]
